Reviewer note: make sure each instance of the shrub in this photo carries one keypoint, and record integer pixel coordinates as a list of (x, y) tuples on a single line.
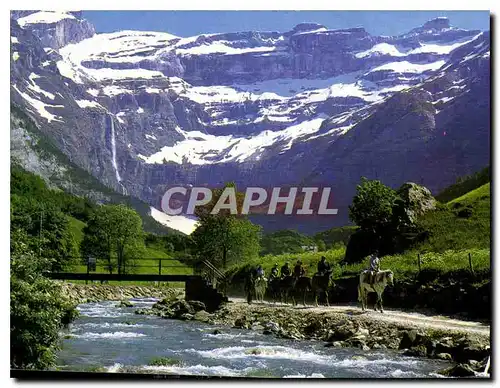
[(38, 309)]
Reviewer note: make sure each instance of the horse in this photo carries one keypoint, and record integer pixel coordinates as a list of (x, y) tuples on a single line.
[(249, 288), (260, 286), (302, 285), (274, 288), (319, 284), (382, 279), (286, 287)]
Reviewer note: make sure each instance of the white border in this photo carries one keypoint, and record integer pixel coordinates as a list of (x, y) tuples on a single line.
[(452, 5)]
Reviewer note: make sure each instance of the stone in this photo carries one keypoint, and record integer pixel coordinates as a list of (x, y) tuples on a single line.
[(272, 326), (197, 305), (187, 317), (460, 370), (202, 316), (416, 351), (444, 356), (240, 323), (408, 339)]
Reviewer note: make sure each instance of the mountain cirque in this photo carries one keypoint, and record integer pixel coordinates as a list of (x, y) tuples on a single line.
[(311, 106)]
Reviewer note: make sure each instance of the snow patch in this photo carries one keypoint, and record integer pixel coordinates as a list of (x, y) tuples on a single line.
[(201, 148), (88, 104), (408, 67), (48, 17), (181, 223), (93, 92), (40, 106)]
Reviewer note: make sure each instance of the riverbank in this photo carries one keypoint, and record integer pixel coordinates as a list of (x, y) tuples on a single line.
[(85, 293), (465, 345)]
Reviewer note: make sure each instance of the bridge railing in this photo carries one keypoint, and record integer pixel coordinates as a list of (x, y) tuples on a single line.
[(211, 274), (137, 265)]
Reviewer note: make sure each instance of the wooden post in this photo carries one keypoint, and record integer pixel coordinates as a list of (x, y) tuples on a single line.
[(470, 264), (159, 266), (88, 271), (419, 263)]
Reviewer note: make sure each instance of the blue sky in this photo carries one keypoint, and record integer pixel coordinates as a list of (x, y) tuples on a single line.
[(188, 23)]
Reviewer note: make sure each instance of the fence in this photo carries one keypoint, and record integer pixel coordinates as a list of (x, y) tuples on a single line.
[(142, 265)]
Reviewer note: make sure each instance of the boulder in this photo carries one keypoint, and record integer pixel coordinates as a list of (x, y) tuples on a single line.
[(460, 370), (408, 339), (341, 333), (416, 351), (444, 356), (187, 317), (202, 316), (272, 326), (197, 305)]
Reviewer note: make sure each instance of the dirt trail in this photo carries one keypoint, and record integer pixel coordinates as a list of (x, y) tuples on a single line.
[(397, 317)]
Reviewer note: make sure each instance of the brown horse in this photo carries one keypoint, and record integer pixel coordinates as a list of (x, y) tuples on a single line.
[(321, 283), (286, 287), (302, 285)]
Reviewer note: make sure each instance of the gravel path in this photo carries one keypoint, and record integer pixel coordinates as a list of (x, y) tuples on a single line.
[(397, 317)]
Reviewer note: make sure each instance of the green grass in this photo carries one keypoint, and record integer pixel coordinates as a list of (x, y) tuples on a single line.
[(473, 196), (463, 223), (76, 229), (465, 185)]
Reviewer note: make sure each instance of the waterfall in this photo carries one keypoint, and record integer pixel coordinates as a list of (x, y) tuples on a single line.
[(113, 149)]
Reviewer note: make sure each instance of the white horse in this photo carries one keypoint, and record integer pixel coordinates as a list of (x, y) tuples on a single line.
[(260, 288), (382, 279)]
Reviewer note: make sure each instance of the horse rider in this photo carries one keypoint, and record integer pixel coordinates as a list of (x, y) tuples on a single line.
[(285, 270), (298, 270), (259, 272), (274, 272), (374, 266), (323, 266)]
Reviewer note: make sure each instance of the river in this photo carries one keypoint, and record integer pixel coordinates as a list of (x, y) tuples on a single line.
[(114, 337)]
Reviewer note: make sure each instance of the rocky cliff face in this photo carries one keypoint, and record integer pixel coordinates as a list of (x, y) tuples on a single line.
[(142, 110)]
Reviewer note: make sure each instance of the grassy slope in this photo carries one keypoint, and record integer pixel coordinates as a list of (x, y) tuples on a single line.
[(463, 223)]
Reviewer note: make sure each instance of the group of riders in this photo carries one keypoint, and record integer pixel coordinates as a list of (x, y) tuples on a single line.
[(285, 281), (322, 269)]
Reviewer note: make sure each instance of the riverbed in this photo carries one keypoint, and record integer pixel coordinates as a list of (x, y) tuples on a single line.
[(116, 339)]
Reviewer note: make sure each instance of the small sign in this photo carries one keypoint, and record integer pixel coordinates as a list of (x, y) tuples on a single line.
[(92, 263)]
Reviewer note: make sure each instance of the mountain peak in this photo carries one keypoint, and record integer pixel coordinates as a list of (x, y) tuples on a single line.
[(438, 23), (302, 27)]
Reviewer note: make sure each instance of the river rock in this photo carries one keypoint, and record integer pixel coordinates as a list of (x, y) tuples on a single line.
[(341, 333), (257, 327), (416, 351), (187, 317), (202, 316), (460, 370), (408, 339), (197, 305), (125, 303), (241, 323), (444, 356), (272, 326), (472, 352)]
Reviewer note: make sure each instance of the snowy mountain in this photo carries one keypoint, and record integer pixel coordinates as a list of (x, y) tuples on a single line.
[(142, 110)]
